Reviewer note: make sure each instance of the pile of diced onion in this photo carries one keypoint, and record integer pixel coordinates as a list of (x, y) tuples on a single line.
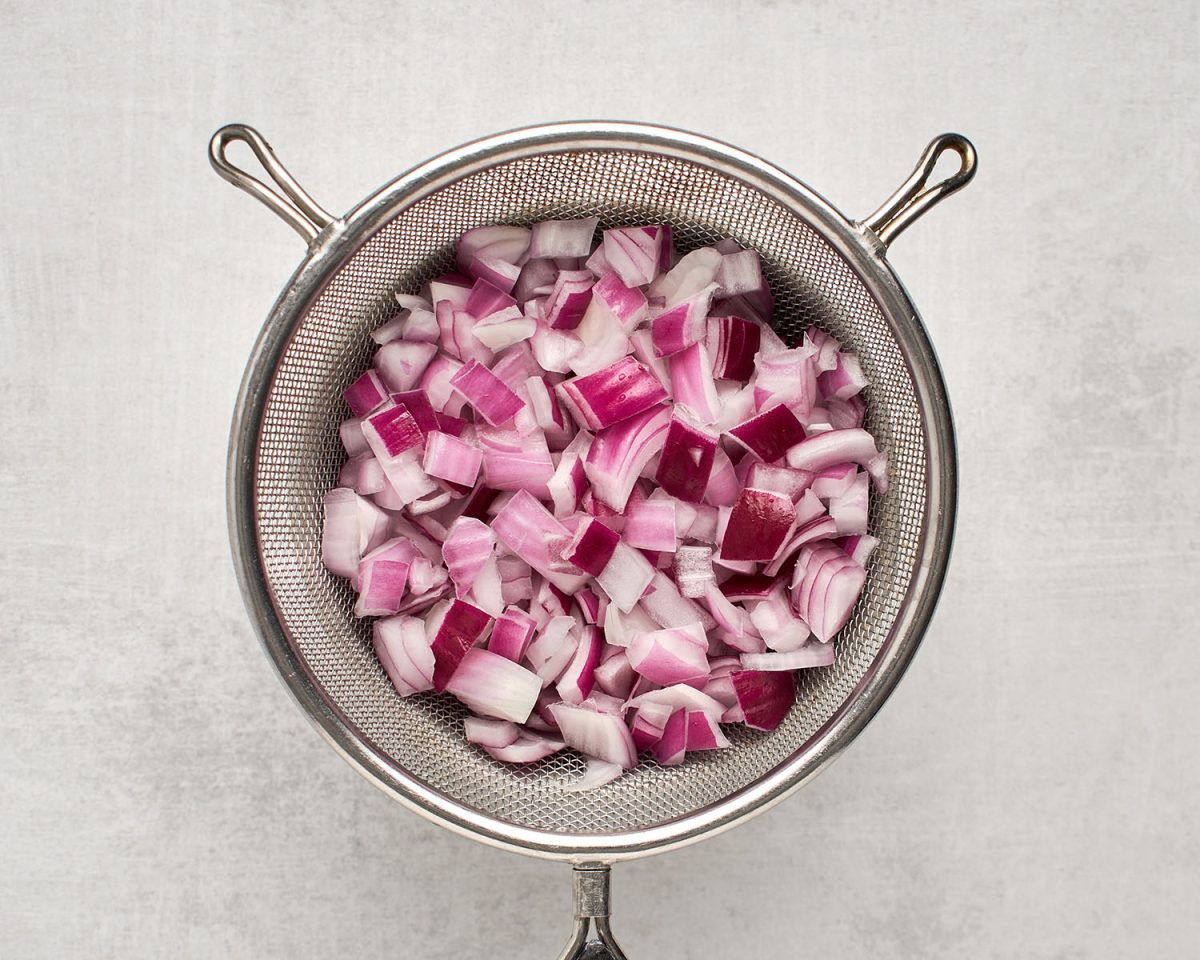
[(591, 494)]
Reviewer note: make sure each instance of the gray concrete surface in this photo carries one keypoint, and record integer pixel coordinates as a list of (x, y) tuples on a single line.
[(1031, 789)]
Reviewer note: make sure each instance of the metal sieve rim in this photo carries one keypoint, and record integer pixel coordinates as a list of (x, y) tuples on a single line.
[(333, 242)]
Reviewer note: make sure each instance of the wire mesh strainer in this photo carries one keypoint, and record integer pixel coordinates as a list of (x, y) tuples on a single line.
[(285, 453)]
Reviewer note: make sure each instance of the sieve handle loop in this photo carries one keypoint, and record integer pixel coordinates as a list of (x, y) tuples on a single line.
[(293, 204), (915, 195), (592, 938)]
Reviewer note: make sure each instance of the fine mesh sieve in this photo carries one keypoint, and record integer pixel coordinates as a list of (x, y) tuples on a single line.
[(285, 454)]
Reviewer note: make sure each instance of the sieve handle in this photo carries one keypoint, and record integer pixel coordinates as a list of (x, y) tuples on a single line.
[(916, 195), (293, 204), (592, 938)]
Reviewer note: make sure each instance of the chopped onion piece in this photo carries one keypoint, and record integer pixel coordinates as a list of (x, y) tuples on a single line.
[(563, 238), (575, 684), (692, 383), (650, 525), (634, 253), (688, 455), (487, 393), (528, 748), (669, 656), (365, 394), (619, 391), (449, 458), (703, 732), (693, 570), (453, 633), (764, 697), (770, 434), (758, 525), (600, 735), (490, 733), (670, 748), (527, 529), (809, 655), (511, 634), (838, 446), (404, 652)]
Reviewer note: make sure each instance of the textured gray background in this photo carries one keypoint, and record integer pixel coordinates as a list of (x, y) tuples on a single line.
[(1030, 791)]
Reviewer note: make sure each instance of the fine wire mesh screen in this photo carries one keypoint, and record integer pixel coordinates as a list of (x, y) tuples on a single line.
[(300, 453)]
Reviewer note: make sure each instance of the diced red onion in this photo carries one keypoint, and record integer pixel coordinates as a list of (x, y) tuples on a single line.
[(365, 394), (780, 628), (791, 483), (490, 733), (619, 452), (515, 462), (692, 383), (401, 363), (825, 588), (403, 650), (633, 253), (553, 648), (843, 381), (849, 509), (723, 487), (380, 587), (671, 746), (536, 279), (694, 272), (499, 273), (758, 524), (788, 378), (688, 455), (591, 547), (682, 325), (563, 238), (650, 525), (693, 570), (432, 473), (740, 274), (740, 632), (528, 748), (600, 735), (486, 299), (703, 732), (732, 343), (493, 686), (859, 548), (649, 723), (674, 655), (452, 634), (810, 655), (527, 529), (764, 697), (487, 393), (501, 241), (435, 381), (555, 349), (450, 459), (611, 395), (575, 684), (839, 446), (511, 634), (569, 299), (353, 525), (770, 434), (567, 484)]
